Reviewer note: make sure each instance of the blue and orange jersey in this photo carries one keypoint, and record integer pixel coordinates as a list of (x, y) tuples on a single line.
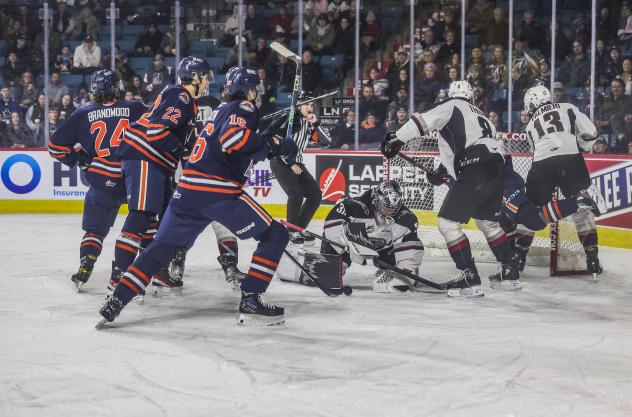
[(159, 136), (225, 151), (98, 130)]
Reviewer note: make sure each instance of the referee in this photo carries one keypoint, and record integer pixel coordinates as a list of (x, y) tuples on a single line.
[(302, 190)]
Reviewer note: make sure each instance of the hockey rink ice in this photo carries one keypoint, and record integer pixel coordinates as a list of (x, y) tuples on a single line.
[(561, 347)]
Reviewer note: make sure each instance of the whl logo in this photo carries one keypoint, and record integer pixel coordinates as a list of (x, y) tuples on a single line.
[(333, 183)]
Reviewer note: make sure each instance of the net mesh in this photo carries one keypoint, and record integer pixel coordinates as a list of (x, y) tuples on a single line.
[(425, 201)]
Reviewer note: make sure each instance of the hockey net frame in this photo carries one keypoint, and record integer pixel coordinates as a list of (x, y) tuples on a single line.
[(557, 246)]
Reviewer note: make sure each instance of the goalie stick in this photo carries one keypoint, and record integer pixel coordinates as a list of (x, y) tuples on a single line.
[(376, 261), (332, 292)]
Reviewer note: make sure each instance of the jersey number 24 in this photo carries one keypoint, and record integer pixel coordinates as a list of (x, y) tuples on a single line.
[(102, 129)]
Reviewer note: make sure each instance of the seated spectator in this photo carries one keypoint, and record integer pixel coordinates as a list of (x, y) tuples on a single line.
[(12, 70), (56, 89), (86, 24), (157, 78), (312, 73), (520, 84), (371, 132), (23, 50), (123, 70), (562, 43), (136, 88), (128, 96), (600, 147), (63, 20), (614, 65), (379, 83), (558, 95), (309, 20), (401, 117), (87, 58), (526, 61), (427, 57), (321, 36), (453, 74), (337, 7), (428, 42), (261, 52), (268, 98), (7, 105), (478, 17), (445, 24), (601, 57), (66, 108), (343, 135), (401, 82), (610, 118), (280, 20), (625, 26), (497, 122), (575, 69), (35, 114), (495, 32), (530, 31), (479, 98), (370, 31), (281, 72), (427, 90), (450, 47), (496, 74), (371, 104), (477, 58), (606, 25), (523, 121), (544, 75), (345, 42), (53, 125), (82, 97), (254, 25), (168, 41), (475, 74), (27, 95), (401, 100), (148, 43), (400, 62), (17, 133), (63, 62)]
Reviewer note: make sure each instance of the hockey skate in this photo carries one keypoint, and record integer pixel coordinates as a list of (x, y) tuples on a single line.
[(466, 284), (115, 277), (233, 275), (85, 270), (254, 311), (163, 284), (592, 261), (388, 282), (507, 278), (176, 266), (110, 310)]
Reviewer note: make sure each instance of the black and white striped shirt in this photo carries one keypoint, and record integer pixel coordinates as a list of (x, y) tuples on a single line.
[(304, 132)]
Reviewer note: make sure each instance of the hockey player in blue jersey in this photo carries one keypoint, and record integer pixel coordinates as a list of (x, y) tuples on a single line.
[(97, 128), (211, 189), (150, 152)]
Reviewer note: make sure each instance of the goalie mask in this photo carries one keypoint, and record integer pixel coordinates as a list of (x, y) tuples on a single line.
[(387, 200)]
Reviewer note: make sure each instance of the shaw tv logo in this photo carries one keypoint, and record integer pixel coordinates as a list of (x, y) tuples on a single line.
[(333, 183)]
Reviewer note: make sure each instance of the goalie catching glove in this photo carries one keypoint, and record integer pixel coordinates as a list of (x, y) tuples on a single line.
[(391, 146)]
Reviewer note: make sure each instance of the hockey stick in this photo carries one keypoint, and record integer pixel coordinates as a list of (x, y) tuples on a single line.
[(299, 104), (285, 52), (332, 292), (376, 260)]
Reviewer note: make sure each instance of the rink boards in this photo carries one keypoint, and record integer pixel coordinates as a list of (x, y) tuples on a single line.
[(32, 182)]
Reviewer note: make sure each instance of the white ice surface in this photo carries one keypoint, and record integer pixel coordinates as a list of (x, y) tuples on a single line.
[(561, 347)]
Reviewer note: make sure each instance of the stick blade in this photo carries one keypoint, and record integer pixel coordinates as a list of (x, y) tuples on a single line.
[(282, 50)]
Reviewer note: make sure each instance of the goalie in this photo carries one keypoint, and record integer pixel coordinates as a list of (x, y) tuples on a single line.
[(379, 220)]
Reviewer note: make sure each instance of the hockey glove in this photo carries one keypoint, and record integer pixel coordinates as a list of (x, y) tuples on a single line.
[(83, 159), (438, 177), (390, 146), (283, 148)]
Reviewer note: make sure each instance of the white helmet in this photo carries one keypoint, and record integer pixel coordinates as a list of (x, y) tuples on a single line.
[(461, 89), (536, 97)]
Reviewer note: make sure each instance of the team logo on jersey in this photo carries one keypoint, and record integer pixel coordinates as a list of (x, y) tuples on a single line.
[(245, 229), (176, 194), (184, 97), (110, 183), (247, 106)]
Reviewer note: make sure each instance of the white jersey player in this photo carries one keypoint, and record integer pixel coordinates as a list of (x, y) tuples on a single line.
[(559, 132), (471, 156)]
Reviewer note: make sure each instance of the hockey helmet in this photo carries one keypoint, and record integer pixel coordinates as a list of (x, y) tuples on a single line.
[(240, 80), (387, 198), (460, 89), (105, 84), (191, 66), (535, 97)]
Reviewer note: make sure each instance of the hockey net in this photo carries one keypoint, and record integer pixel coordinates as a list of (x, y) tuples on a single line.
[(557, 246)]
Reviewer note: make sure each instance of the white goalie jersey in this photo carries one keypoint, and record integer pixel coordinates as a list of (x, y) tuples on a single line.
[(460, 125), (560, 129)]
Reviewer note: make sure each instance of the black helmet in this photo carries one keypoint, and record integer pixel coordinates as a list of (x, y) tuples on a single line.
[(387, 198)]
